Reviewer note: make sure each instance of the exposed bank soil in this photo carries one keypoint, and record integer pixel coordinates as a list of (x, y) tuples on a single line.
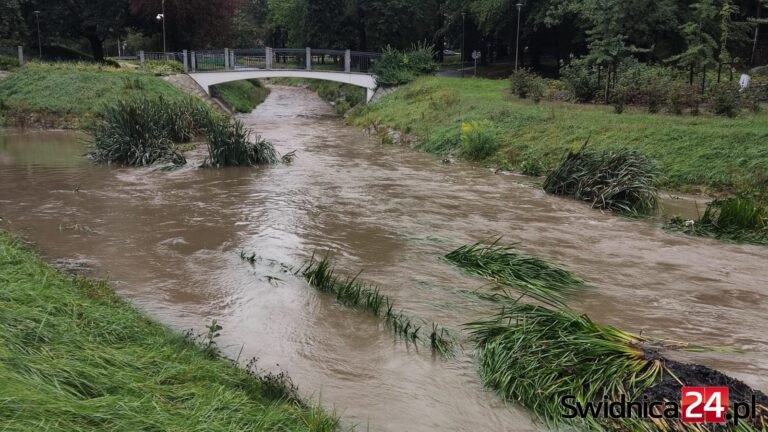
[(36, 120)]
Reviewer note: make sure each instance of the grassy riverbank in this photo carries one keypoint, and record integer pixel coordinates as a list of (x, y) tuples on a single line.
[(68, 95), (694, 153), (241, 96), (74, 356)]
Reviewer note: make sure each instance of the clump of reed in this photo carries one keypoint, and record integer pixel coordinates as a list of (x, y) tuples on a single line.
[(142, 131), (507, 267), (624, 181), (740, 219), (229, 144), (536, 356), (351, 292)]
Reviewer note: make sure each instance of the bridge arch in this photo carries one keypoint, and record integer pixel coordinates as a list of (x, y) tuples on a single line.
[(208, 79)]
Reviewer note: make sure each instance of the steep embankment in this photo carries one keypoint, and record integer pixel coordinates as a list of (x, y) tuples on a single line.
[(695, 153), (74, 356)]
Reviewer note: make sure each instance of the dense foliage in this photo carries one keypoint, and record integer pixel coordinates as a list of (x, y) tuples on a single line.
[(397, 67), (624, 181)]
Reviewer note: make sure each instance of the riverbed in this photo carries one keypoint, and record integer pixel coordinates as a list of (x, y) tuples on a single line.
[(170, 241)]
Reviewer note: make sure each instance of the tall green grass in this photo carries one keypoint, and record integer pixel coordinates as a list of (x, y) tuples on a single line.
[(526, 274), (740, 219), (623, 181), (75, 357), (693, 153), (351, 292), (230, 144), (142, 131)]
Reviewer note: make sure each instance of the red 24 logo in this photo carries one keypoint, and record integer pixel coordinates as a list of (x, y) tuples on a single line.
[(704, 404)]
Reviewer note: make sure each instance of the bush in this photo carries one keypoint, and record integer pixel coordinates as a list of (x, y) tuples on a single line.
[(525, 83), (581, 80), (478, 140), (229, 144), (533, 168), (395, 67), (724, 99), (681, 96), (750, 99), (140, 132), (163, 67), (8, 63), (623, 181)]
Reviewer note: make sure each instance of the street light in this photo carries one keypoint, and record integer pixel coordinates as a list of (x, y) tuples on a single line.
[(39, 38), (517, 41), (161, 17), (463, 16)]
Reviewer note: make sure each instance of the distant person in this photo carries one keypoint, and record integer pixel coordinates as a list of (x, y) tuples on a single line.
[(745, 81)]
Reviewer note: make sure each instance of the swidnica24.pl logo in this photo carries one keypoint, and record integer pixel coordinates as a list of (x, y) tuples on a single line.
[(697, 405)]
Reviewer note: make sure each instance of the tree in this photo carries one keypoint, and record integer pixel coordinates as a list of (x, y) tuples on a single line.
[(758, 20), (190, 24), (12, 27), (698, 33), (94, 20)]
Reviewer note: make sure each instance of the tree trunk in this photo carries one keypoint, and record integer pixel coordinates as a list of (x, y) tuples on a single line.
[(97, 47)]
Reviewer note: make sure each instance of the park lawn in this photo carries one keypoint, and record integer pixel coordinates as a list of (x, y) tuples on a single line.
[(75, 89), (241, 96), (703, 153), (75, 357)]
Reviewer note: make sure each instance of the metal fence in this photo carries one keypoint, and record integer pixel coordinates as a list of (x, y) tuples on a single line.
[(363, 62)]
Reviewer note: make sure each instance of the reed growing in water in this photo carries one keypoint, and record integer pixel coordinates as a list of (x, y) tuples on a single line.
[(624, 181), (740, 219), (229, 144), (354, 293), (143, 131)]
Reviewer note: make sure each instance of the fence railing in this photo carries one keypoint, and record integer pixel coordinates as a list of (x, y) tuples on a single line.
[(268, 58)]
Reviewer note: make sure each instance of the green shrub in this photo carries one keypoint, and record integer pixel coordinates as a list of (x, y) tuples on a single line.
[(342, 107), (229, 144), (163, 67), (532, 167), (525, 83), (750, 99), (478, 140), (724, 99), (8, 63), (623, 181), (681, 96), (395, 67), (581, 80)]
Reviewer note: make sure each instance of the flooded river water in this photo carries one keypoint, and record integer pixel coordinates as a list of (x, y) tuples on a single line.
[(170, 241)]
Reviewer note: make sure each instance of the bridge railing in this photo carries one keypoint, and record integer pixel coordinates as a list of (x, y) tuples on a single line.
[(270, 58)]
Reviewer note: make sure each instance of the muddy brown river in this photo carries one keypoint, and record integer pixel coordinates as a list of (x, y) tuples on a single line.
[(170, 241)]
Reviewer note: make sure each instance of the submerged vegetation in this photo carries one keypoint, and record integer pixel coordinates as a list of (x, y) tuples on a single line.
[(143, 131), (507, 267), (230, 144), (624, 181), (538, 354), (354, 293), (74, 356), (741, 219)]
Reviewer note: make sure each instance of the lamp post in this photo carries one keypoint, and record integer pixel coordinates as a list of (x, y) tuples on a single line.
[(463, 19), (517, 38), (39, 38), (159, 17)]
